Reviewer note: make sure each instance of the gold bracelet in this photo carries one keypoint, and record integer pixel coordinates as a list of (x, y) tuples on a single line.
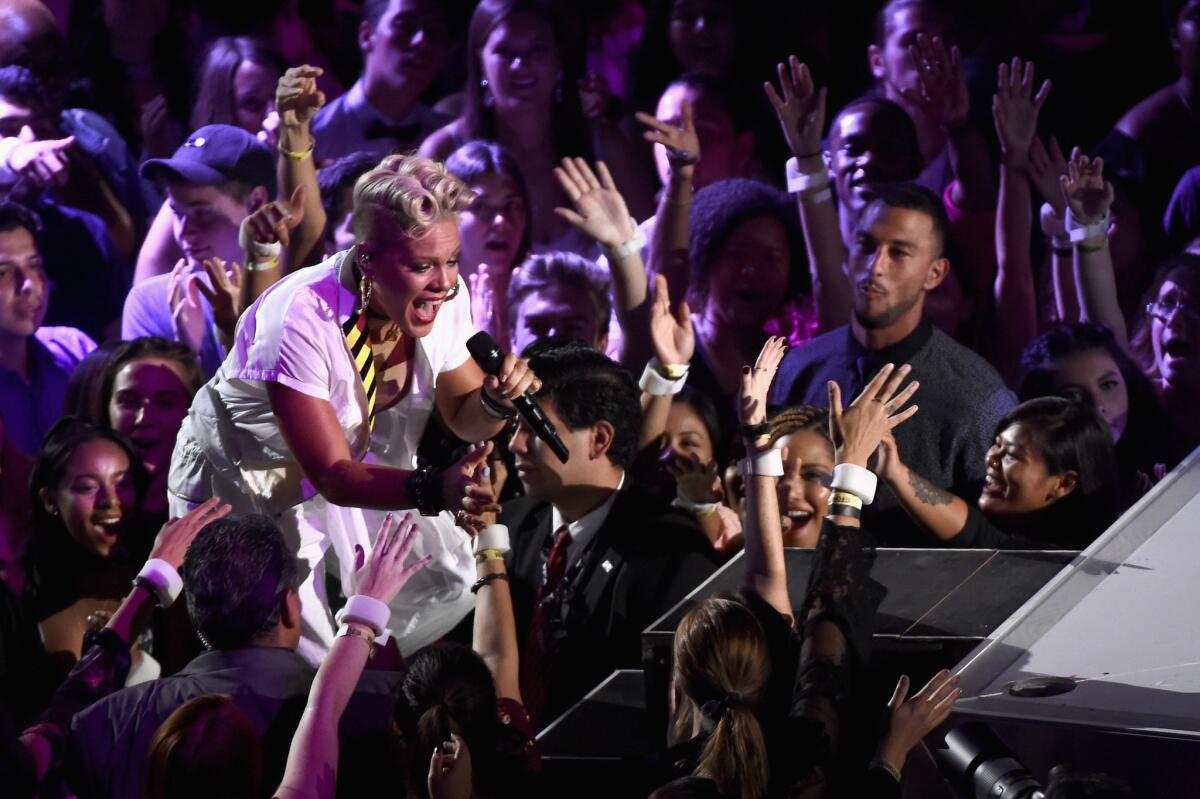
[(673, 371), (348, 631), (300, 156), (845, 498), (1088, 246), (892, 771), (484, 555)]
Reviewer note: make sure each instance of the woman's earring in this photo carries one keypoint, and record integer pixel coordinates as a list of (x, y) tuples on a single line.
[(451, 294), (488, 100), (364, 292)]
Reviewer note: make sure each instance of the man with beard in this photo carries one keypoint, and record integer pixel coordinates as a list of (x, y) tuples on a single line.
[(896, 258)]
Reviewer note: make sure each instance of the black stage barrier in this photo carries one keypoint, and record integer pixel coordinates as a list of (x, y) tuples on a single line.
[(939, 605)]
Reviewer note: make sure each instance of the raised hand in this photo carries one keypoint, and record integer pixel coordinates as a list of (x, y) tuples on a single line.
[(187, 314), (801, 109), (174, 538), (1087, 194), (910, 720), (225, 293), (450, 770), (274, 221), (673, 336), (941, 87), (1046, 166), (463, 474), (43, 163), (600, 210), (756, 382), (384, 573), (479, 505), (488, 311), (297, 98), (594, 97), (159, 132), (1015, 110), (695, 481), (856, 431), (681, 143)]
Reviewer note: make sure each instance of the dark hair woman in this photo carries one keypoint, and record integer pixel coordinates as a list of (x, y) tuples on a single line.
[(235, 84), (1051, 483), (1084, 363), (87, 484)]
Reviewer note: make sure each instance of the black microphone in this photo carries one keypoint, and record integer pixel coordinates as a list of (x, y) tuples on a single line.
[(487, 354)]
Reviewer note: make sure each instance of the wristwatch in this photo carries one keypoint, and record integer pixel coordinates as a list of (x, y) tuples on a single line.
[(425, 489)]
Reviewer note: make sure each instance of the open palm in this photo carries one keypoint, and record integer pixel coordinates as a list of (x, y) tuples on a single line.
[(600, 210)]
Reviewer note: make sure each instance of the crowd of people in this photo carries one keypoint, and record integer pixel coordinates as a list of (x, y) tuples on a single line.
[(775, 277)]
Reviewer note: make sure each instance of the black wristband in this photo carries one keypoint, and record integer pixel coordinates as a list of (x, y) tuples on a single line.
[(425, 490), (848, 511), (496, 410), (487, 578), (754, 431)]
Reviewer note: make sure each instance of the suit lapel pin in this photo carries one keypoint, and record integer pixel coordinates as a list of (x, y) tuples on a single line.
[(607, 566)]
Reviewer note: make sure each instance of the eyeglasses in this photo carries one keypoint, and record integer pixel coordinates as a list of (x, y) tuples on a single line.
[(1163, 309)]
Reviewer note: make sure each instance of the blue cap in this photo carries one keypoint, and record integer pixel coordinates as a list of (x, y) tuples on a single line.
[(217, 154)]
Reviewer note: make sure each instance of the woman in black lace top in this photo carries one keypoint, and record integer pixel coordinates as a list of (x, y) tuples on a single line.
[(760, 697)]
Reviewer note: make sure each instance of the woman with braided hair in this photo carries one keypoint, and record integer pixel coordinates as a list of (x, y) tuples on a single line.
[(803, 434)]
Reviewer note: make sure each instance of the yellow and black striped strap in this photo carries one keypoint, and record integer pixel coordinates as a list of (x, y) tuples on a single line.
[(359, 342)]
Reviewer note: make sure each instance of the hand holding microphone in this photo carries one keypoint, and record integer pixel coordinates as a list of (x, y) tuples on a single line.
[(511, 378)]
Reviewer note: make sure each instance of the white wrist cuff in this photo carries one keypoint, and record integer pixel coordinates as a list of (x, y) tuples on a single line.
[(691, 506), (494, 537), (798, 181), (762, 464), (1053, 225), (165, 580), (654, 384), (366, 610), (1081, 232), (855, 480), (635, 244), (256, 249)]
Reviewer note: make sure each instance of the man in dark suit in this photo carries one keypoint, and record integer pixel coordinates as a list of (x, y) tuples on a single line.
[(240, 580), (594, 560)]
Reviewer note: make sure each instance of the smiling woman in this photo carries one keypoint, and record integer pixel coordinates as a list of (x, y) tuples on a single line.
[(87, 484), (316, 414)]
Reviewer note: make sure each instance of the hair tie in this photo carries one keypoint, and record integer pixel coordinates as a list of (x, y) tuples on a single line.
[(716, 709)]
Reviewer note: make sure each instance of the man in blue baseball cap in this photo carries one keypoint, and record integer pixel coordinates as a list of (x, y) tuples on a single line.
[(217, 178)]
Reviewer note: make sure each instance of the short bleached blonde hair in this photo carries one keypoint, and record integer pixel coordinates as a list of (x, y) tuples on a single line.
[(412, 191)]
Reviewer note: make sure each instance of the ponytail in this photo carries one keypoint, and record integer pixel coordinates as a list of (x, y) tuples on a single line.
[(735, 755), (722, 666)]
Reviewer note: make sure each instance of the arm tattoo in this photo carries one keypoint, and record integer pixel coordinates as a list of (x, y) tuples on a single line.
[(927, 492)]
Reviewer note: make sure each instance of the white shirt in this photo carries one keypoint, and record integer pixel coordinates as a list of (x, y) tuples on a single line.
[(583, 529), (230, 445)]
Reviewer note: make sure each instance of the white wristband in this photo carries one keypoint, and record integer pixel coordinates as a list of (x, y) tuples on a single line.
[(654, 384), (256, 249), (1081, 232), (762, 464), (798, 181), (165, 580), (691, 506), (366, 610), (1053, 225), (495, 537), (816, 198), (855, 480), (635, 244)]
